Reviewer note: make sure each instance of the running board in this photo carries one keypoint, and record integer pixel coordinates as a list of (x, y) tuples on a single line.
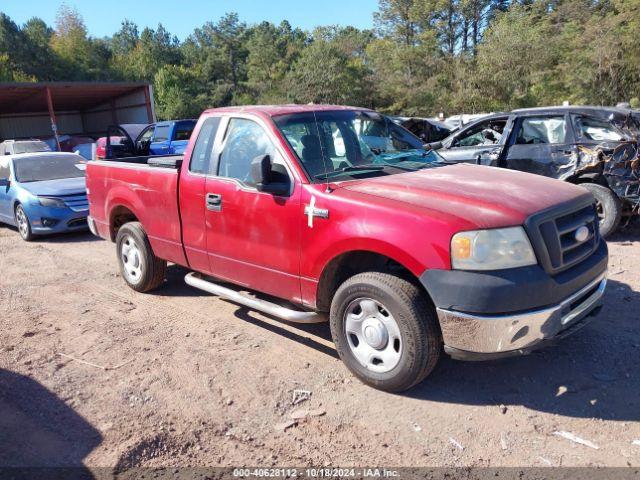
[(294, 316)]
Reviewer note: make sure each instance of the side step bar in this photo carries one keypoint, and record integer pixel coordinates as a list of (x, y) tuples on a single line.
[(294, 316)]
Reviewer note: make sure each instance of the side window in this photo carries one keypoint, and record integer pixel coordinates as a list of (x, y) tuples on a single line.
[(146, 134), (203, 149), (182, 131), (547, 130), (485, 133), (245, 140), (161, 133), (594, 129)]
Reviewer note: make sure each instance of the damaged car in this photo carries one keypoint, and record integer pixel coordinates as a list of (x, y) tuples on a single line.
[(591, 146), (425, 129)]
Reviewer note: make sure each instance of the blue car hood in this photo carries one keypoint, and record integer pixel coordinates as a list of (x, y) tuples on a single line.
[(64, 186)]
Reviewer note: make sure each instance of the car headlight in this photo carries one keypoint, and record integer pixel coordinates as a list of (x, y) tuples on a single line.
[(494, 249), (51, 202)]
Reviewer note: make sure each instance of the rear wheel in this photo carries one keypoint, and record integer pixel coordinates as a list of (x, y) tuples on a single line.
[(23, 224), (140, 268), (385, 331), (609, 208)]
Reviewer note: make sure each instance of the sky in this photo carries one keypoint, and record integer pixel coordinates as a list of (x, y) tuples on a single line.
[(103, 17)]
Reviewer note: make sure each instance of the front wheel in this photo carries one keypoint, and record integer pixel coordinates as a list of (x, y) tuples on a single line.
[(23, 224), (385, 331), (609, 208), (139, 266)]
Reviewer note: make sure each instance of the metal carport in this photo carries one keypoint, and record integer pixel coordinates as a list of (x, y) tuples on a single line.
[(51, 109)]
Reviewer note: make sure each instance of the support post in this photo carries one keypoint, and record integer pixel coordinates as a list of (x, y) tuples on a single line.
[(147, 97), (52, 117)]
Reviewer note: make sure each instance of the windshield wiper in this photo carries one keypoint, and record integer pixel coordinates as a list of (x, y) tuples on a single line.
[(351, 168)]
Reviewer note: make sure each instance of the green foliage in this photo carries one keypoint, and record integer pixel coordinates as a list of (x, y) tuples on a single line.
[(324, 73), (421, 58), (177, 93)]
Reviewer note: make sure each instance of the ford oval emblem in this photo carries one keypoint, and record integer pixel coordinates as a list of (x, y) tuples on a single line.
[(582, 234)]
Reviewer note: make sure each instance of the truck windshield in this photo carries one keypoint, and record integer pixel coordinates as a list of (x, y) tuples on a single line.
[(352, 143), (51, 167)]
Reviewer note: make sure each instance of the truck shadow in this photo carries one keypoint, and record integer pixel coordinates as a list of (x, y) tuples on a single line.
[(40, 436), (591, 374), (317, 329)]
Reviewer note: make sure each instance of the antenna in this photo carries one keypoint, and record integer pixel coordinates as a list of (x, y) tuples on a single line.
[(322, 152)]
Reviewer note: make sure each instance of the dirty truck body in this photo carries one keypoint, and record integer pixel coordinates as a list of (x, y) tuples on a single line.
[(403, 258)]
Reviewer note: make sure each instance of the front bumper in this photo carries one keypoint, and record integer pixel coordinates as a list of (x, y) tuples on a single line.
[(477, 337), (46, 220)]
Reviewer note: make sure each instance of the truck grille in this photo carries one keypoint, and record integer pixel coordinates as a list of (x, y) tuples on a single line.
[(554, 236)]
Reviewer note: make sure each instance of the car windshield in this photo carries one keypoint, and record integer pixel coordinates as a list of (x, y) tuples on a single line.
[(345, 144), (30, 146), (51, 167)]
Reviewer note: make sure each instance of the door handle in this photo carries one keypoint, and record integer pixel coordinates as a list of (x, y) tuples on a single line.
[(214, 202)]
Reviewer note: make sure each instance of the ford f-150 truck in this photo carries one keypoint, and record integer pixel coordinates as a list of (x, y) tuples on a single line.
[(310, 213)]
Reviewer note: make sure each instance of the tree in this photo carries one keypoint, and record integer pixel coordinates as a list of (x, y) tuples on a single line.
[(324, 74), (271, 51), (177, 93)]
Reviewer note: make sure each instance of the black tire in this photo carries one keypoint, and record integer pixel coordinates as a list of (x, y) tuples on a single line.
[(415, 317), (151, 269), (609, 208), (23, 223)]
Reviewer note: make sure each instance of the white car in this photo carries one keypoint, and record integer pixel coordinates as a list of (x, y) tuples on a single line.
[(15, 147)]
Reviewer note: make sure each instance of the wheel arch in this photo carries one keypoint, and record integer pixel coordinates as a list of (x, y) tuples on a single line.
[(349, 263), (119, 215)]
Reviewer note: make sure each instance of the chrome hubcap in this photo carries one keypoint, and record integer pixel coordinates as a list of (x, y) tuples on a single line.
[(131, 259), (373, 335), (23, 223)]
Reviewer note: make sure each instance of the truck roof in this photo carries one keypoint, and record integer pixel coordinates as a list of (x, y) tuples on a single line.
[(275, 110)]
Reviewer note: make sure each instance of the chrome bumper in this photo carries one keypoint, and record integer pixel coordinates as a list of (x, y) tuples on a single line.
[(512, 333)]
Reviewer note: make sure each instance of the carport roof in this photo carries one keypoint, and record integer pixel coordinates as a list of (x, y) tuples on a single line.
[(66, 96)]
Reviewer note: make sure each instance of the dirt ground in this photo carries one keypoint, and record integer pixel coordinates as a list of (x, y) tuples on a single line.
[(180, 378)]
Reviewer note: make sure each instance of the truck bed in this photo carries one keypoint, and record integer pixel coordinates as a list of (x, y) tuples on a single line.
[(145, 185)]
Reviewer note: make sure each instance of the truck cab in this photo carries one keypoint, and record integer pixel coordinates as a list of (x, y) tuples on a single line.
[(166, 138), (331, 213), (135, 140)]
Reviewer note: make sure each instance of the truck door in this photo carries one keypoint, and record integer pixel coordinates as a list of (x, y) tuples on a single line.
[(199, 160), (160, 140), (253, 238), (543, 145)]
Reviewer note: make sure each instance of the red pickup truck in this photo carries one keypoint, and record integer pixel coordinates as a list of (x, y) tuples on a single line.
[(328, 212)]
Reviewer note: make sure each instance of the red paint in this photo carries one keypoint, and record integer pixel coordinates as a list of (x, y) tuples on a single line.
[(264, 242)]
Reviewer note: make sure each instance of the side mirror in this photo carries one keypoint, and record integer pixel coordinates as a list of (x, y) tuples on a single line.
[(4, 182), (433, 146), (263, 176)]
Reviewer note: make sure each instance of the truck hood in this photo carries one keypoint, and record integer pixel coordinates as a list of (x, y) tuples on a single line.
[(63, 186), (476, 196)]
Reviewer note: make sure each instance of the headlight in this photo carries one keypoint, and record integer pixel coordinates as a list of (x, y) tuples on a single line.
[(491, 249), (51, 202)]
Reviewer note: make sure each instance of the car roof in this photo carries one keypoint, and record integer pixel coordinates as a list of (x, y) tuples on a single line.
[(275, 110), (169, 122), (23, 140), (592, 109)]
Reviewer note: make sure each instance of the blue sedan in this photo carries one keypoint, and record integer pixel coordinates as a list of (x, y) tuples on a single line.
[(43, 193)]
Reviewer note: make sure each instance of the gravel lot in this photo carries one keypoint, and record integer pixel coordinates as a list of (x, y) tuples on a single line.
[(181, 378)]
